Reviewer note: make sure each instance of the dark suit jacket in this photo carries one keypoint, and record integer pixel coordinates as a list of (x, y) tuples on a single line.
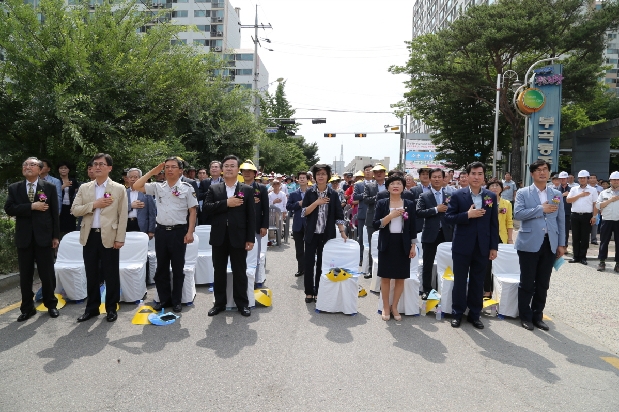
[(358, 196), (32, 225), (75, 186), (334, 213), (417, 191), (147, 215), (484, 229), (240, 221), (293, 206), (432, 220), (369, 199), (191, 182), (204, 185), (408, 231), (262, 207)]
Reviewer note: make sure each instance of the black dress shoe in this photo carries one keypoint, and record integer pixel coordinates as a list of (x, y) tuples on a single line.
[(595, 242), (161, 305), (616, 269), (177, 308), (53, 313), (540, 325), (25, 316), (309, 300), (583, 261), (111, 316), (245, 311), (424, 296), (368, 276), (215, 310), (455, 323), (527, 325), (476, 322), (298, 274), (87, 315), (601, 267), (574, 260)]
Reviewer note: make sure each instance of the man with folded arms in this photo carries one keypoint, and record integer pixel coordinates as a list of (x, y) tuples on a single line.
[(103, 205), (34, 204), (584, 210), (540, 241)]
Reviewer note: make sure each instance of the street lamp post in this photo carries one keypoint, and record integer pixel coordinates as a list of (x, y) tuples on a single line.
[(500, 80)]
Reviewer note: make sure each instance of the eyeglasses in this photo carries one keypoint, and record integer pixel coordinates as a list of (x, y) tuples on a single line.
[(101, 164), (170, 167), (33, 164)]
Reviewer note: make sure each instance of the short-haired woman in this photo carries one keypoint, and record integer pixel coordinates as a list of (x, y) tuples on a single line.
[(395, 217), (506, 228), (70, 187)]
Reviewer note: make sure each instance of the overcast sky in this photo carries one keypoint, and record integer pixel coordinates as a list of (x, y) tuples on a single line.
[(334, 55)]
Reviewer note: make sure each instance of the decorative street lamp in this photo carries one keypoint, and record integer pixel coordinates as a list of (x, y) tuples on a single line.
[(500, 81)]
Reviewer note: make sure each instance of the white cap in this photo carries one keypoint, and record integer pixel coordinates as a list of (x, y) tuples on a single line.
[(614, 175), (563, 175), (583, 173)]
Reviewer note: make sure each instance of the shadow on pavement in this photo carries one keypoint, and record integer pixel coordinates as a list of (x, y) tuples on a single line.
[(153, 338), (16, 333), (79, 343), (338, 324), (228, 340), (414, 340), (496, 348)]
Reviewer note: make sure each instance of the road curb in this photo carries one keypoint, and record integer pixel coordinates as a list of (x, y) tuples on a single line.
[(11, 280)]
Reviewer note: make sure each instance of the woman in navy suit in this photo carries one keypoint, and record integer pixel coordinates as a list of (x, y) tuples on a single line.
[(395, 217)]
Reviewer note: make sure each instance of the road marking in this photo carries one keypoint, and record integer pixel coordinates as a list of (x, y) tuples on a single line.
[(10, 308), (612, 360), (546, 318)]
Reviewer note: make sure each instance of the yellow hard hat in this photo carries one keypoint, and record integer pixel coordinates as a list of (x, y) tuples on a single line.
[(362, 291), (334, 178), (360, 174), (248, 165), (379, 166), (338, 275), (263, 296)]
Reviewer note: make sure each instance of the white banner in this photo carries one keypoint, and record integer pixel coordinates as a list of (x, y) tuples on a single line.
[(420, 145)]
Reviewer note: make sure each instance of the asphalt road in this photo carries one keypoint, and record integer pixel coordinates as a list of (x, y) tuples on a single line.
[(287, 357)]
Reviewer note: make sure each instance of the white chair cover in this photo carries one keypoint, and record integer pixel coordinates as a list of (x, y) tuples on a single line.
[(204, 266), (189, 284), (132, 266), (409, 301), (69, 268), (445, 286), (252, 258), (506, 270), (339, 296), (365, 264), (375, 282), (152, 261), (261, 272)]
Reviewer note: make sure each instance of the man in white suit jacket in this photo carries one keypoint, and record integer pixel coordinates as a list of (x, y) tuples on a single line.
[(540, 241), (102, 203)]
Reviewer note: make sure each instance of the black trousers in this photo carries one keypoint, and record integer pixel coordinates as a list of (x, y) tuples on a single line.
[(132, 225), (313, 257), (238, 262), (360, 227), (44, 257), (429, 253), (101, 263), (535, 271), (473, 265), (568, 226), (370, 231), (299, 247), (581, 231), (607, 229), (170, 251)]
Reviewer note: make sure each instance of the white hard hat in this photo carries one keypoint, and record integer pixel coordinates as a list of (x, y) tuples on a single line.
[(563, 175), (583, 173), (614, 175)]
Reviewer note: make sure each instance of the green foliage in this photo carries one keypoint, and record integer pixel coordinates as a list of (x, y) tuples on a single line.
[(8, 252), (85, 81), (281, 156), (462, 61)]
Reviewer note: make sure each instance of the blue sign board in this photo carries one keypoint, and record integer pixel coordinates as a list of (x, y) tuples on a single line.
[(545, 124), (271, 130)]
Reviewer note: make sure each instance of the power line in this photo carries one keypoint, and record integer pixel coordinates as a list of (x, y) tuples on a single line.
[(340, 110)]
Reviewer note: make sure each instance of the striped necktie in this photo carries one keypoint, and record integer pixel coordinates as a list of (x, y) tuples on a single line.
[(31, 192)]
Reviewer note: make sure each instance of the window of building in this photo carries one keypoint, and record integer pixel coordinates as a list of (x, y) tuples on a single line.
[(179, 14), (201, 42), (202, 1), (201, 13), (180, 1), (612, 51), (204, 27), (244, 57), (178, 41), (243, 72)]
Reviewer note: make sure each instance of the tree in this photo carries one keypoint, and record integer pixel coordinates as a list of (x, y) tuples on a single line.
[(462, 61)]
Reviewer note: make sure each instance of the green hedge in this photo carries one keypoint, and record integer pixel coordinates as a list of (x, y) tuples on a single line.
[(8, 252)]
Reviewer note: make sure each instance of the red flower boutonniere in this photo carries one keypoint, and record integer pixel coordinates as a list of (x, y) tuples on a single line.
[(240, 195), (447, 199), (107, 195), (556, 200), (488, 201), (175, 191), (405, 215), (257, 193), (41, 196), (503, 210)]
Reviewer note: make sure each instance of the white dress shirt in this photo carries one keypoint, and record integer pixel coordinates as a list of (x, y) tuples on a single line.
[(99, 192), (583, 204), (133, 196), (611, 211), (396, 224), (34, 187), (230, 189), (543, 195)]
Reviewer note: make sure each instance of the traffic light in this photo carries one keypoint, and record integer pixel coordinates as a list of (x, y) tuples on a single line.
[(361, 135), (319, 121), (287, 121), (329, 134)]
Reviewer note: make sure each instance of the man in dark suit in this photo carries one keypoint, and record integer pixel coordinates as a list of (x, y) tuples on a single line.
[(431, 207), (369, 199), (141, 208), (261, 207), (233, 233), (363, 208), (34, 204), (423, 187), (294, 206), (215, 170), (474, 213)]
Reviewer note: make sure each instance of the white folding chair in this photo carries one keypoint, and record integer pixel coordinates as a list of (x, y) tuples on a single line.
[(252, 258), (365, 263), (189, 284), (445, 281), (132, 267), (152, 261), (375, 282), (506, 270), (261, 272), (204, 267), (339, 296), (275, 223), (69, 268)]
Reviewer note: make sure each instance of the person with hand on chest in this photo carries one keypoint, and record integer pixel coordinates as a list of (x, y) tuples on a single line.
[(584, 211), (33, 203), (102, 203), (294, 206), (174, 231)]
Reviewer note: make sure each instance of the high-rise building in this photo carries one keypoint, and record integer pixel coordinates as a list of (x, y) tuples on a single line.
[(611, 57)]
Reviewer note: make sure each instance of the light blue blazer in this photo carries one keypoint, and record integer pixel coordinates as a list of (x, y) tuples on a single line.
[(529, 211)]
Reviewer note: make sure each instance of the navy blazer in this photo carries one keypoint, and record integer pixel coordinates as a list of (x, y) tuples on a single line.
[(262, 207), (418, 191), (240, 221), (334, 213), (293, 206), (408, 230), (147, 215), (484, 229), (433, 220), (358, 196)]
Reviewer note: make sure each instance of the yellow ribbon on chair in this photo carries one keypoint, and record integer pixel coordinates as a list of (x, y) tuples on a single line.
[(448, 274), (338, 275)]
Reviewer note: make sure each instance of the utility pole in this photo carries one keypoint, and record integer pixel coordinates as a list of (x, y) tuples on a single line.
[(256, 26)]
